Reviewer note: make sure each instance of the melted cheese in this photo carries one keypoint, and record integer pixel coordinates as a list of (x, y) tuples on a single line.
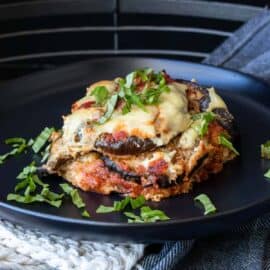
[(110, 85), (135, 123), (215, 100), (78, 124), (160, 123), (188, 138), (173, 169), (173, 113)]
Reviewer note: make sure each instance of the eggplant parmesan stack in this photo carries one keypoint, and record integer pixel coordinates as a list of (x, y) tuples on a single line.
[(145, 134)]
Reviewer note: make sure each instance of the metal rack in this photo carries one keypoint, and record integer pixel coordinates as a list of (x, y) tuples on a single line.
[(42, 34)]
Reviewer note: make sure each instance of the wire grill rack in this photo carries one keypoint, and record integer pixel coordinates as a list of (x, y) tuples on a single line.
[(37, 35)]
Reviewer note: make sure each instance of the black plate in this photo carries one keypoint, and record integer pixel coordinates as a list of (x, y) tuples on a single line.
[(240, 192)]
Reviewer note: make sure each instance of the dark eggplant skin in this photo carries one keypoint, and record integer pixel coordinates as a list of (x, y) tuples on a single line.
[(226, 120), (129, 176), (163, 181), (223, 115), (129, 146), (201, 98), (42, 172), (205, 100)]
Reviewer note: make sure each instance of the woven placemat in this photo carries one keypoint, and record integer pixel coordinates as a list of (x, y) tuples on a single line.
[(30, 249)]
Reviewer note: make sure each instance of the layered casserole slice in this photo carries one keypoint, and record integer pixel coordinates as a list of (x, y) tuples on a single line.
[(145, 134)]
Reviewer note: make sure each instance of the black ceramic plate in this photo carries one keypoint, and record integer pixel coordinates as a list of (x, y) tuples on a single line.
[(240, 191)]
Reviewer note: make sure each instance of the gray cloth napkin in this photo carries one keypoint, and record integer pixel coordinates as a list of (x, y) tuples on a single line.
[(247, 247)]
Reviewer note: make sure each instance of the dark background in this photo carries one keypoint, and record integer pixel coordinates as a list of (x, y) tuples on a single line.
[(43, 34)]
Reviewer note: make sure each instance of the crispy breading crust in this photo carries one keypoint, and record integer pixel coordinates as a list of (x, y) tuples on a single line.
[(90, 173)]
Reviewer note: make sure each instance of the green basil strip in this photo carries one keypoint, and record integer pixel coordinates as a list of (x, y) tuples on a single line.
[(209, 207), (265, 150), (19, 146), (75, 197), (101, 94), (30, 188), (38, 181), (121, 205), (46, 153), (110, 108), (137, 202), (52, 196), (137, 101), (225, 142), (102, 209), (30, 169), (42, 139), (146, 215), (202, 122), (66, 188), (129, 79), (117, 206), (152, 215), (4, 157), (16, 140), (21, 185), (85, 213), (74, 194), (132, 218), (30, 199), (267, 174)]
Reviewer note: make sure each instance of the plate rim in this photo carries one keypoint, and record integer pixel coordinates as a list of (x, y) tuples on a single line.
[(112, 57), (74, 221)]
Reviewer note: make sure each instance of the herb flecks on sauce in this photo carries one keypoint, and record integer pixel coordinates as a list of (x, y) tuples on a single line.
[(140, 88)]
